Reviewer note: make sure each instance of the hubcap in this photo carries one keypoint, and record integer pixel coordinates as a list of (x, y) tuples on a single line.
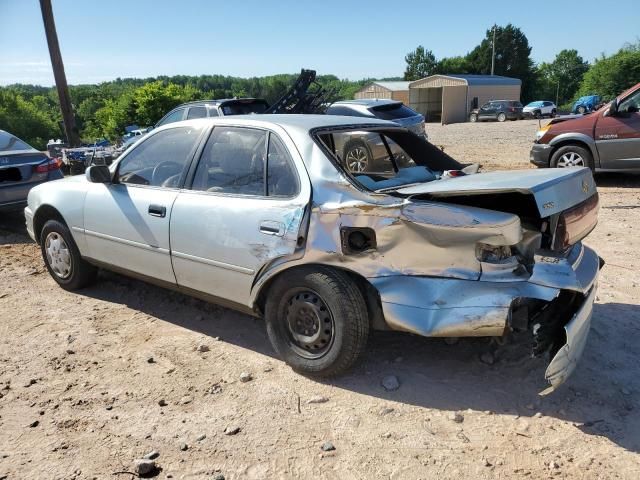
[(58, 256), (571, 159), (309, 324), (357, 159)]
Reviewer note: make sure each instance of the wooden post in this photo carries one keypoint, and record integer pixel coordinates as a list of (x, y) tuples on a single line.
[(58, 73)]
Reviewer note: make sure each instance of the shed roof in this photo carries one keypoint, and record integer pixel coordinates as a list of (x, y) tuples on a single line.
[(394, 86), (467, 79)]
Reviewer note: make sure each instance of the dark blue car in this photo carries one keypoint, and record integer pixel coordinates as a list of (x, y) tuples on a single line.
[(22, 167), (586, 104)]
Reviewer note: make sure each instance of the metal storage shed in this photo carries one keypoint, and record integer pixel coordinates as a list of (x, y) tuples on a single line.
[(450, 98), (391, 90)]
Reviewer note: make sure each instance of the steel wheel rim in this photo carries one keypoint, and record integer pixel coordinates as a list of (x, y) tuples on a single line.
[(58, 255), (571, 159), (357, 159), (309, 323)]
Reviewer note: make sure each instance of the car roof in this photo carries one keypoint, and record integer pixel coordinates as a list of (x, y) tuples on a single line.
[(300, 122), (367, 102), (220, 101)]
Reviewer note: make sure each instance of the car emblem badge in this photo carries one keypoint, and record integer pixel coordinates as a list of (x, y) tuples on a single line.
[(585, 186)]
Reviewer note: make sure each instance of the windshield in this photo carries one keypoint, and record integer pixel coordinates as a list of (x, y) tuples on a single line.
[(243, 107), (379, 159), (9, 143)]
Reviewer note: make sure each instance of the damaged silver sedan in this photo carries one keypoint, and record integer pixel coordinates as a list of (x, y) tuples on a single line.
[(262, 214)]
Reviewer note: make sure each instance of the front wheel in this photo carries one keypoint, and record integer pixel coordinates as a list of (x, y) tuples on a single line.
[(572, 156), (582, 110), (502, 117), (62, 257), (537, 114), (317, 321)]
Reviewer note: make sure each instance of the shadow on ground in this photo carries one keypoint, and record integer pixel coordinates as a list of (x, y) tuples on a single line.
[(618, 179), (447, 377)]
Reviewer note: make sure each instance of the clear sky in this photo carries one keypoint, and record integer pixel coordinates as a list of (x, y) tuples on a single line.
[(103, 40)]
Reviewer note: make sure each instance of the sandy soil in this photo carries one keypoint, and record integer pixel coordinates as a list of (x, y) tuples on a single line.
[(82, 375)]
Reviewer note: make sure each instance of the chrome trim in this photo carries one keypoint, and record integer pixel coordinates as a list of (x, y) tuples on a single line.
[(123, 241), (214, 263)]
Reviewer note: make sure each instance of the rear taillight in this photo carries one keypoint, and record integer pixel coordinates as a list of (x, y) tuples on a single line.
[(48, 166), (576, 223), (512, 109)]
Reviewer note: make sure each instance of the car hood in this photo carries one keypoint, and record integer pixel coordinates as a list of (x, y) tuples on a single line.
[(554, 190)]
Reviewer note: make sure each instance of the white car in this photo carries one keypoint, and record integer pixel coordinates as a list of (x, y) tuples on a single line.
[(540, 108)]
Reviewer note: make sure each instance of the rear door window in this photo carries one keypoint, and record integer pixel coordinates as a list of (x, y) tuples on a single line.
[(282, 180), (199, 111), (233, 162)]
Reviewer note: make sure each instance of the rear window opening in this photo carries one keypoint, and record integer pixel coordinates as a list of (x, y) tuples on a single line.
[(379, 159), (9, 143), (392, 111), (10, 175)]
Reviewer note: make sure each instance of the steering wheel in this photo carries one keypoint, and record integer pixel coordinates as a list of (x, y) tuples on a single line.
[(156, 175)]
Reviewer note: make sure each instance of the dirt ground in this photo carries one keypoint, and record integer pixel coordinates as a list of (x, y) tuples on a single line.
[(82, 375)]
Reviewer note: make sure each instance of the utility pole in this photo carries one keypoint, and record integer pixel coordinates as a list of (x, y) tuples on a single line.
[(58, 73), (493, 50)]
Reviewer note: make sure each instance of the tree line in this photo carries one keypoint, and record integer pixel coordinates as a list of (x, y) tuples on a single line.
[(32, 112), (563, 80)]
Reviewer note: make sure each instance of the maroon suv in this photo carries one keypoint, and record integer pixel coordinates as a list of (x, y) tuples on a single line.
[(607, 139)]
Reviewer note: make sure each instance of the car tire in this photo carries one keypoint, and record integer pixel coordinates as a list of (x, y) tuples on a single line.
[(473, 117), (357, 154), (582, 110), (62, 257), (554, 112), (572, 156), (537, 114), (502, 117), (317, 321)]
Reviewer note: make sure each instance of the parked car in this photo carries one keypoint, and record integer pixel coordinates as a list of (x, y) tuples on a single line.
[(499, 110), (540, 108), (21, 168), (362, 154), (608, 139), (259, 213), (214, 108), (586, 104)]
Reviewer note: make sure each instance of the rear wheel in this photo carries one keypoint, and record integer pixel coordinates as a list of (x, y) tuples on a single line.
[(317, 321), (473, 117), (357, 158), (62, 257), (553, 112), (572, 156), (502, 117)]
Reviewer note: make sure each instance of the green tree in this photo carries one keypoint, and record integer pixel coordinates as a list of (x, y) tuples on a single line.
[(561, 78), (512, 57), (420, 63), (25, 120), (155, 99), (453, 65), (610, 76)]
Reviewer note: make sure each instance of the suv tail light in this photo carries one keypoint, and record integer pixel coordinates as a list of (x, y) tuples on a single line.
[(48, 166)]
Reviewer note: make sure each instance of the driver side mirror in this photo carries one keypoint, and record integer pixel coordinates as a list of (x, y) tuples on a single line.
[(613, 108), (98, 174)]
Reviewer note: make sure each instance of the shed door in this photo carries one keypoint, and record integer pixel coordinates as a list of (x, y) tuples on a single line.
[(454, 104)]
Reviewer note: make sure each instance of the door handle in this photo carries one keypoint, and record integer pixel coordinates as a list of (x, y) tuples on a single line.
[(269, 227), (157, 211)]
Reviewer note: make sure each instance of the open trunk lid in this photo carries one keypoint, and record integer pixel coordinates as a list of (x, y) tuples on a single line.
[(554, 190)]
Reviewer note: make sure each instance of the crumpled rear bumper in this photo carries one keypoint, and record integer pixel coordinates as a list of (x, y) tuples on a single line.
[(449, 307), (566, 359)]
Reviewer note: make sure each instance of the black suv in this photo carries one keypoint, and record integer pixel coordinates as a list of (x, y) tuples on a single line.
[(214, 108), (499, 110)]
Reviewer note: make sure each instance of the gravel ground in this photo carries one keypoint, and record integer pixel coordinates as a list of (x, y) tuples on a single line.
[(90, 381)]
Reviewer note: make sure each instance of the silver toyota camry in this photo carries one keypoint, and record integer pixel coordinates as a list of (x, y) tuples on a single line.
[(261, 214)]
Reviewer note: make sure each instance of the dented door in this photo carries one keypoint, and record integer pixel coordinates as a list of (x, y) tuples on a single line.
[(230, 225)]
